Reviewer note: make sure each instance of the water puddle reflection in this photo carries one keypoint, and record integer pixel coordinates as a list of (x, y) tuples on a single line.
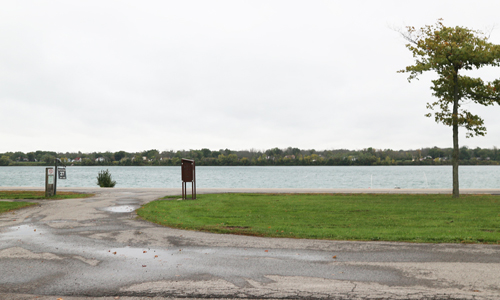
[(121, 208), (21, 231)]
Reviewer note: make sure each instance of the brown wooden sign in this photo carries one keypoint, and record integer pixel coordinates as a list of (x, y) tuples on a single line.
[(187, 170), (188, 174)]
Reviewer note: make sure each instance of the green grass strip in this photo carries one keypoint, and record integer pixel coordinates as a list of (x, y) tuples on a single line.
[(40, 195), (361, 217), (8, 206)]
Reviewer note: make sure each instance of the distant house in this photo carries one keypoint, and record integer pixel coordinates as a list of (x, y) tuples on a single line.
[(78, 159), (99, 159), (427, 157)]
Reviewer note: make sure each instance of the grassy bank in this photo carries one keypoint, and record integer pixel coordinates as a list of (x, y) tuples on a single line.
[(410, 218), (8, 206), (40, 195)]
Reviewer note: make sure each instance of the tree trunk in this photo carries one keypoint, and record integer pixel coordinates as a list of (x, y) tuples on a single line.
[(454, 160), (454, 157)]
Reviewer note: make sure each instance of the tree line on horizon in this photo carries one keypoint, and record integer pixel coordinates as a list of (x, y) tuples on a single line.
[(271, 157)]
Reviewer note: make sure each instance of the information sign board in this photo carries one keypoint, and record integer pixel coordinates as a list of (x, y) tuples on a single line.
[(61, 172), (188, 174), (187, 171)]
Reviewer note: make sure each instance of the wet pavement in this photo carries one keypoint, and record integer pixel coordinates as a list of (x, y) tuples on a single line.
[(96, 247)]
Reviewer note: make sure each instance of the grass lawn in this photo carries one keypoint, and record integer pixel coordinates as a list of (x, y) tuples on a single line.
[(8, 206), (364, 217), (40, 195)]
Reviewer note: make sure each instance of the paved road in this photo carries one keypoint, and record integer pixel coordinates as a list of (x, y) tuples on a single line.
[(96, 247)]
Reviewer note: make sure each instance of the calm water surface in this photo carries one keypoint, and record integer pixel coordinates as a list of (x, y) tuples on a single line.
[(267, 177)]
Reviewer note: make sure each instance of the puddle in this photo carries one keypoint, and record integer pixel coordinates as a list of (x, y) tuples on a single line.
[(121, 208), (23, 231)]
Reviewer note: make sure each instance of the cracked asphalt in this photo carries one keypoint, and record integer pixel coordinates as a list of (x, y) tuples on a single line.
[(98, 248)]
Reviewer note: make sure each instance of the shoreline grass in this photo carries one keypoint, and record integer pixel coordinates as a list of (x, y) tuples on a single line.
[(40, 195), (10, 206), (360, 217), (6, 206)]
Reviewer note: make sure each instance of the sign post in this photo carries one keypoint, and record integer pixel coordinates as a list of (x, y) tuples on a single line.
[(49, 182), (188, 175)]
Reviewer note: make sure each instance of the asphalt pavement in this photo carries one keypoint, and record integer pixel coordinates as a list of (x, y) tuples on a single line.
[(97, 248)]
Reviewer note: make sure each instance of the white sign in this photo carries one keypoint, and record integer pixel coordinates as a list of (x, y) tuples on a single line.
[(51, 179), (50, 172)]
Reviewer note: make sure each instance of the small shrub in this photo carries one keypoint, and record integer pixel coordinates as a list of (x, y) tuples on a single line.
[(104, 179)]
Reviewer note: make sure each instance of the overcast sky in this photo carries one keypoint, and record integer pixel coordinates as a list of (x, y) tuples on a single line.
[(170, 75)]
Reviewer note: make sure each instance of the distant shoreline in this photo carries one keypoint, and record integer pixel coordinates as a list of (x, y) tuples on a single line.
[(272, 157), (420, 163)]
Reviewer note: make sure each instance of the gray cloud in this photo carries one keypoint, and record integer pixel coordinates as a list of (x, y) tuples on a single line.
[(112, 75)]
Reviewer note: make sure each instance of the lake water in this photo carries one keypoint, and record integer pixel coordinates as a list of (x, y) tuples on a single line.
[(420, 177)]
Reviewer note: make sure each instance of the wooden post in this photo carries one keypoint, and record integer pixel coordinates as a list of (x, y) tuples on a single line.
[(49, 182), (55, 178)]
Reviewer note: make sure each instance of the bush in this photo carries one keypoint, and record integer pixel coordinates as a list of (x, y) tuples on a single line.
[(104, 179)]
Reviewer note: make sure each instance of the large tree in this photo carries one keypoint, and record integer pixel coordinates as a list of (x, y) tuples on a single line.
[(449, 51)]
